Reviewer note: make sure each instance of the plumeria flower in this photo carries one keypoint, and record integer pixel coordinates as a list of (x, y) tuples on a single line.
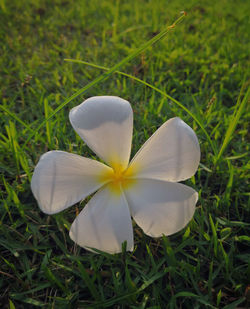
[(145, 189)]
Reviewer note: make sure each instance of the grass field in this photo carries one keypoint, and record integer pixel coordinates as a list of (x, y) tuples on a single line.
[(200, 72)]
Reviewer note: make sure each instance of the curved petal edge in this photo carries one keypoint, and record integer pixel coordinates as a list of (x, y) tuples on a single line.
[(61, 179), (172, 153), (160, 207), (105, 123), (104, 223)]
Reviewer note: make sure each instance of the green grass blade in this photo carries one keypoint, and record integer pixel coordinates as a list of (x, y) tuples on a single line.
[(48, 126), (105, 75), (14, 116), (235, 303), (119, 298), (54, 280), (88, 281), (11, 305), (214, 233), (233, 124)]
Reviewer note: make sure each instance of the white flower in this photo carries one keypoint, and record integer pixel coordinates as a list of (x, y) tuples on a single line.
[(145, 188)]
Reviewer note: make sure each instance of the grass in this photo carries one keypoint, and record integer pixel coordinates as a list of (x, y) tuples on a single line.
[(199, 72)]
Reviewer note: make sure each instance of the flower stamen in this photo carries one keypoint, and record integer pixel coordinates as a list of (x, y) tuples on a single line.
[(118, 177)]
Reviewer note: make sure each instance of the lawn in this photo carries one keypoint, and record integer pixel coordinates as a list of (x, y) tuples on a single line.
[(199, 71)]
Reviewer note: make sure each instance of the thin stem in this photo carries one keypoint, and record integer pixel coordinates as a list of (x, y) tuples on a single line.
[(105, 75), (157, 90)]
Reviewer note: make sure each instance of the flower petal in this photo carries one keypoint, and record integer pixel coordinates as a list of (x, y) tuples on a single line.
[(161, 207), (105, 123), (172, 153), (104, 223), (62, 179)]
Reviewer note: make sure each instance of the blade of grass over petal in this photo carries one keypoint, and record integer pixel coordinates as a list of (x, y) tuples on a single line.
[(105, 75), (157, 90), (232, 124)]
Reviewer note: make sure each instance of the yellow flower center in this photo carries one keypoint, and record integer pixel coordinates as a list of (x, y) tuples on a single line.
[(118, 177)]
